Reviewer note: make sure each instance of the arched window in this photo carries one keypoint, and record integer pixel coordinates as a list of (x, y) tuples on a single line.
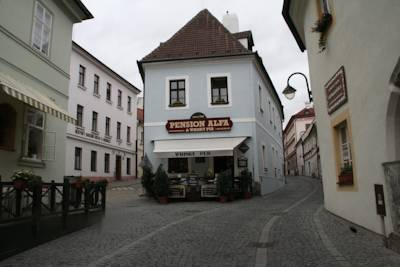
[(8, 118)]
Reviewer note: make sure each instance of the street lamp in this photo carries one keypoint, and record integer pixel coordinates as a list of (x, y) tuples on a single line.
[(289, 92)]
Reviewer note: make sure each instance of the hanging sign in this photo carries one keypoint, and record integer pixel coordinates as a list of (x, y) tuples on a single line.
[(336, 91), (199, 125)]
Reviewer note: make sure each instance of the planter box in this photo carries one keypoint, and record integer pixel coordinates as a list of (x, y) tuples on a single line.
[(163, 200), (247, 195), (345, 179), (223, 199)]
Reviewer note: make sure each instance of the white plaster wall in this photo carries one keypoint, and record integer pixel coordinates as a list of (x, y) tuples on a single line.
[(364, 38)]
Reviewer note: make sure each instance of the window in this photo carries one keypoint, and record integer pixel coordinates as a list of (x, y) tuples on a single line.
[(325, 7), (344, 161), (273, 116), (34, 134), (96, 84), (82, 73), (344, 145), (93, 161), (108, 126), (128, 166), (41, 31), (79, 115), (8, 117), (108, 93), (260, 99), (118, 130), (106, 163), (129, 104), (119, 98), (264, 158), (94, 121), (128, 134), (78, 159), (177, 93), (177, 165), (219, 90), (269, 111)]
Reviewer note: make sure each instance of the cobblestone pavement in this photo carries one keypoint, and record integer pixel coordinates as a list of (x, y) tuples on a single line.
[(285, 228)]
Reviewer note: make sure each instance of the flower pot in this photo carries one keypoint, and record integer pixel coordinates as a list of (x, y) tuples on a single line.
[(77, 185), (247, 195), (223, 199), (163, 200), (345, 179), (19, 184)]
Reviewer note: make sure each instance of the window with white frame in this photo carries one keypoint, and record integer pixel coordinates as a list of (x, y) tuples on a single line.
[(94, 121), (129, 104), (119, 98), (93, 161), (177, 93), (269, 111), (108, 92), (79, 115), (96, 82), (82, 74), (42, 23), (108, 126), (264, 158), (260, 99), (78, 159), (34, 131), (344, 145), (106, 162), (219, 90), (128, 134), (118, 130)]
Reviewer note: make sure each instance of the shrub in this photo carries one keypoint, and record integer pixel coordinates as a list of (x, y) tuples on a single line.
[(245, 180), (225, 184), (161, 182)]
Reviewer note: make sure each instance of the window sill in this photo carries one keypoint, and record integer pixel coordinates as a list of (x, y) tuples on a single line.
[(95, 132), (128, 143), (109, 101), (218, 104), (129, 112), (120, 108), (30, 162), (119, 141), (82, 87), (78, 169), (176, 105), (96, 95), (345, 179)]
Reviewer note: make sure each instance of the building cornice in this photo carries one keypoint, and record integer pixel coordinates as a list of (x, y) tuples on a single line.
[(87, 140)]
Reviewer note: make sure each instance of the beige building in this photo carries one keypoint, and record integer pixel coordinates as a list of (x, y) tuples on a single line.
[(292, 133), (310, 149), (353, 52)]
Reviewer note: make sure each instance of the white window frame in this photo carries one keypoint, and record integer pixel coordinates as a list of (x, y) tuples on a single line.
[(264, 153), (26, 139), (167, 91), (209, 99), (43, 26)]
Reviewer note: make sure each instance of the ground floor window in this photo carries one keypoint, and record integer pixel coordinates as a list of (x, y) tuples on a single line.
[(106, 163), (93, 161), (128, 166), (34, 128), (8, 118), (78, 158), (178, 165), (343, 153)]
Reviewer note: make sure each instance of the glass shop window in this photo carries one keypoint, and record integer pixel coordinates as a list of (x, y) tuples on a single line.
[(178, 165)]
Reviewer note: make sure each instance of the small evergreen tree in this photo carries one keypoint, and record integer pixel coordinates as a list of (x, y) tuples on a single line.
[(225, 183), (147, 176), (161, 182)]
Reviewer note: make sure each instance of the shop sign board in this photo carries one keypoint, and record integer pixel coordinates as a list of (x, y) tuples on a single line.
[(199, 125), (336, 91), (194, 154)]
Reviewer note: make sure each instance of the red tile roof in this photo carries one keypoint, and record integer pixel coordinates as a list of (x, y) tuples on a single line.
[(140, 115), (202, 36)]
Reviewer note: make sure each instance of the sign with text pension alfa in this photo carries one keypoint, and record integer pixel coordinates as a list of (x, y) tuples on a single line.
[(199, 125)]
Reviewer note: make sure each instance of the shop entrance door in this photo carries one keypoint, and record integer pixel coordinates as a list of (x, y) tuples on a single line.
[(222, 164), (118, 167)]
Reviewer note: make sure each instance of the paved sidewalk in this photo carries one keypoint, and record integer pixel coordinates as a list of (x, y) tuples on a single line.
[(285, 228)]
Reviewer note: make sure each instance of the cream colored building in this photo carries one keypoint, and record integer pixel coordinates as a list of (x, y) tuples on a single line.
[(310, 149), (354, 68)]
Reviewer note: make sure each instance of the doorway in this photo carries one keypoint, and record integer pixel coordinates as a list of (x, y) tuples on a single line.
[(222, 164), (118, 166)]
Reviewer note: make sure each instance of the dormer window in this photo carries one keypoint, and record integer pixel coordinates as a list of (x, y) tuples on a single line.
[(41, 31), (219, 90)]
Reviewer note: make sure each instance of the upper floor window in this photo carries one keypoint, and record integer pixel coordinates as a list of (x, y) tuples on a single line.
[(260, 99), (108, 126), (108, 93), (79, 115), (118, 130), (78, 158), (94, 121), (129, 104), (219, 90), (177, 93), (128, 134), (96, 84), (119, 98), (93, 161), (82, 73), (41, 31)]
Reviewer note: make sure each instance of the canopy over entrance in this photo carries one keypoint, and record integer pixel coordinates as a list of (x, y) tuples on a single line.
[(33, 98), (205, 147)]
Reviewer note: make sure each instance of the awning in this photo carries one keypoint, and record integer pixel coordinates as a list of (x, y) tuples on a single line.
[(204, 147), (33, 98)]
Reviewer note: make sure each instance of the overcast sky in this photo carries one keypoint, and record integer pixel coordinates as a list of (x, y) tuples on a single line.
[(124, 31)]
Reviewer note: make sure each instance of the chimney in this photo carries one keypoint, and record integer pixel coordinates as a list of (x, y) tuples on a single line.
[(231, 22)]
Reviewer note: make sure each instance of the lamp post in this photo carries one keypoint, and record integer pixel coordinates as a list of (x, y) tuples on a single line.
[(289, 92)]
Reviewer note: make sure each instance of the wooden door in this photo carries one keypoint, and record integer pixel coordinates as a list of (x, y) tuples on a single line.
[(118, 166)]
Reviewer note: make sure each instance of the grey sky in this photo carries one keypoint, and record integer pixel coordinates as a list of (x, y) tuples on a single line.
[(124, 31)]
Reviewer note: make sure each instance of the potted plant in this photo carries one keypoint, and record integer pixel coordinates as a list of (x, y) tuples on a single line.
[(25, 179), (224, 186), (245, 182), (322, 26), (161, 185), (346, 175), (147, 178), (78, 183)]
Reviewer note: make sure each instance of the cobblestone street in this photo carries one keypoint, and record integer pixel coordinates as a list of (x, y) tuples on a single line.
[(286, 228)]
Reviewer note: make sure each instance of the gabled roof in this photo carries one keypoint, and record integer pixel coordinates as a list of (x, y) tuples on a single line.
[(203, 36), (304, 113), (245, 35)]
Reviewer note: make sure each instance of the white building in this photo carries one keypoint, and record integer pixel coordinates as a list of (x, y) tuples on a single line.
[(354, 65), (140, 137), (210, 105), (102, 143)]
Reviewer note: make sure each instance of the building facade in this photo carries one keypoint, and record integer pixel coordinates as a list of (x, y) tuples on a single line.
[(293, 150), (35, 45), (102, 144), (210, 105), (140, 137), (310, 148), (354, 67)]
